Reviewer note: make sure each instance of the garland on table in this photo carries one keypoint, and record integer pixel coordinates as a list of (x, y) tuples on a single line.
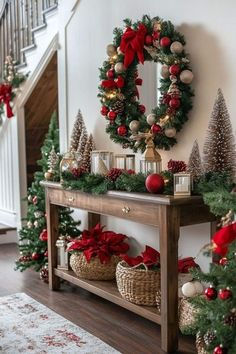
[(9, 85), (146, 40)]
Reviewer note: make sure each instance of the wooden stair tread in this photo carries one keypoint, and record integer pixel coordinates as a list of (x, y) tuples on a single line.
[(5, 228)]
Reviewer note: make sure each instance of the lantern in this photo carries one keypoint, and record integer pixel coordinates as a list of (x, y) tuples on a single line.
[(182, 183), (152, 159), (125, 161), (69, 162), (101, 161), (62, 255)]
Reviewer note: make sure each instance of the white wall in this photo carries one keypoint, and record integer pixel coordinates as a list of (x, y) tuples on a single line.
[(209, 27)]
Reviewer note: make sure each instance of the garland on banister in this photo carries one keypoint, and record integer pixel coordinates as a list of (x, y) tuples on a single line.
[(149, 39)]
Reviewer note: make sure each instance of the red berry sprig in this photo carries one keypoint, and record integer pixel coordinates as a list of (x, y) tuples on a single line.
[(176, 166)]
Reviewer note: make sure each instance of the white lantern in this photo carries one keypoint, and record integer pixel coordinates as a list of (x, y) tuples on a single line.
[(101, 158), (62, 254), (125, 161)]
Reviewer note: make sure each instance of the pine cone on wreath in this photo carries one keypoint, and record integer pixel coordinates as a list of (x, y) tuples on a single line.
[(118, 107), (209, 337), (230, 319)]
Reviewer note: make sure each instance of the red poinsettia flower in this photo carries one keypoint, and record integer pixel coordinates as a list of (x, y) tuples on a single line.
[(132, 261), (185, 264), (150, 257)]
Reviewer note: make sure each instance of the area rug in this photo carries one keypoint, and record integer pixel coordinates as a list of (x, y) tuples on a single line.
[(26, 326)]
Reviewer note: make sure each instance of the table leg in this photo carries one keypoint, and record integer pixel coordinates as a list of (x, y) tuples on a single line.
[(93, 219), (169, 218), (53, 232)]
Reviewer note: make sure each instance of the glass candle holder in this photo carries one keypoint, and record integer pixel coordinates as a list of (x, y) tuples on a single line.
[(182, 183), (62, 255), (101, 161), (69, 162), (148, 166), (125, 161)]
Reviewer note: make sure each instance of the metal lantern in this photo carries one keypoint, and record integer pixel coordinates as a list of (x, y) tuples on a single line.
[(62, 255), (125, 161), (69, 162), (182, 183), (152, 159), (101, 161)]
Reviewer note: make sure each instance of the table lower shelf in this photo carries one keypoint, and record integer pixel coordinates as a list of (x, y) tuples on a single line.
[(108, 290)]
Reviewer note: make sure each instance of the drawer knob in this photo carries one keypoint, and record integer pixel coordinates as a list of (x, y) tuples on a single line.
[(126, 210), (71, 199)]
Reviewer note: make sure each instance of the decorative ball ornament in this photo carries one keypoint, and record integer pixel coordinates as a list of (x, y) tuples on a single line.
[(35, 256), (44, 235), (223, 261), (210, 293), (186, 76), (112, 115), (30, 198), (134, 125), (144, 41), (198, 287), (188, 289), (36, 223), (225, 294), (29, 225), (151, 119), (165, 71), (122, 130), (174, 69), (142, 108), (35, 200), (111, 50), (220, 350), (46, 254), (165, 42), (170, 132), (48, 175), (155, 128), (154, 183), (119, 68), (176, 47)]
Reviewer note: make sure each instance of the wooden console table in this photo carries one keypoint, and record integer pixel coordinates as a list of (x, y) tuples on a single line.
[(168, 213)]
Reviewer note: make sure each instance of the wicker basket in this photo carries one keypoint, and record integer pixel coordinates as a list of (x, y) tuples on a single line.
[(200, 345), (93, 270), (138, 286)]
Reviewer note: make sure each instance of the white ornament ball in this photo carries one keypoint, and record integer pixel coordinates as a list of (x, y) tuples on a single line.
[(198, 287), (188, 289), (176, 47), (151, 119), (29, 225), (165, 71), (36, 223), (134, 125), (119, 51), (170, 132), (186, 76), (119, 68), (111, 50)]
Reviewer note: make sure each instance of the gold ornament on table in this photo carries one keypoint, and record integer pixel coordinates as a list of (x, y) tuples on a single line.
[(62, 255), (125, 161), (53, 162)]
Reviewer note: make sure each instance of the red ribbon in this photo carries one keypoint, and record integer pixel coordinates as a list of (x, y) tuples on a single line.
[(223, 238), (5, 97), (132, 42)]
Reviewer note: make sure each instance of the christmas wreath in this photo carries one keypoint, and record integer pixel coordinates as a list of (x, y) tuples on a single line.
[(146, 40)]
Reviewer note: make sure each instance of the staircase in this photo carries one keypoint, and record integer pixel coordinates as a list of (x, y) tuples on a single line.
[(20, 20), (27, 28), (7, 234)]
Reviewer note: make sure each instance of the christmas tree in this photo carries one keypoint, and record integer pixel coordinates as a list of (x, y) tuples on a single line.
[(83, 140), (219, 148), (33, 236), (86, 159), (76, 132), (195, 164)]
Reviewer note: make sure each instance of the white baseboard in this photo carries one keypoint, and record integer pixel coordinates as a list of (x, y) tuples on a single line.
[(9, 237), (8, 218)]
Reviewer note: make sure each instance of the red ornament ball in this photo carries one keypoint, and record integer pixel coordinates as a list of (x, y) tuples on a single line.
[(154, 183), (35, 256), (110, 74), (174, 103), (174, 69), (156, 128), (165, 42), (112, 115), (148, 39), (220, 350), (35, 200), (142, 108), (46, 254), (120, 82), (44, 235), (225, 294), (104, 110), (122, 130), (223, 261), (156, 35), (211, 293)]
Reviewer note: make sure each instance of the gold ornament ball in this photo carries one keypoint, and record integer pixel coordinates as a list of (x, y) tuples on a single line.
[(48, 175), (119, 51), (111, 50), (186, 76), (119, 68), (134, 125), (176, 47), (165, 71), (170, 132), (151, 119)]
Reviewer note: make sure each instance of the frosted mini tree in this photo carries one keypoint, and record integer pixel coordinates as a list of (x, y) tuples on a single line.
[(76, 132), (82, 142), (195, 164), (219, 148), (86, 159)]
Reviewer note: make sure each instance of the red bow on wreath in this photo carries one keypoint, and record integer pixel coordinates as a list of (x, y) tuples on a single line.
[(5, 97), (132, 42), (223, 238)]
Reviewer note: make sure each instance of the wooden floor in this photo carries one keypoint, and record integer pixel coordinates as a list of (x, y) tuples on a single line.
[(123, 330)]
